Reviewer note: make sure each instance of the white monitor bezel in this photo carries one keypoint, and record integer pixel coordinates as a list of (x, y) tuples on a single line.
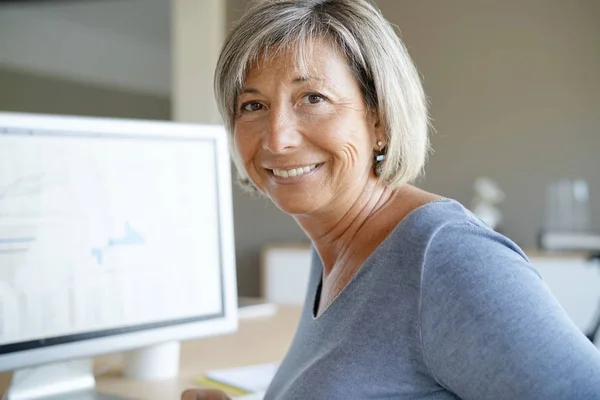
[(226, 322)]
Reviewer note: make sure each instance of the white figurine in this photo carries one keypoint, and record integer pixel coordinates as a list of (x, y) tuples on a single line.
[(487, 196)]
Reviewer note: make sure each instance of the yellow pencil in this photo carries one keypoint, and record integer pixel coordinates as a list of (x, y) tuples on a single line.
[(234, 391)]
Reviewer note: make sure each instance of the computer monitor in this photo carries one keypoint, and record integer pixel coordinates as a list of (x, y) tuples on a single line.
[(114, 235)]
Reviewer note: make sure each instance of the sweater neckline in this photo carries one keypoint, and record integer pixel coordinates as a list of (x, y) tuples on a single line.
[(316, 296)]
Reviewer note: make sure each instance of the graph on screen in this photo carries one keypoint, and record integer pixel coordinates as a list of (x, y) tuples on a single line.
[(102, 232)]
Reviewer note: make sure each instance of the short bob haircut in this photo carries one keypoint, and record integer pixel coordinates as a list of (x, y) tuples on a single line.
[(379, 61)]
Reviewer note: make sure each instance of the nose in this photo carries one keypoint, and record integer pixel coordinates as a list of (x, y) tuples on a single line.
[(282, 132)]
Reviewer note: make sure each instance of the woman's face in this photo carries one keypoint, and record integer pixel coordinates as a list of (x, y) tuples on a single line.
[(307, 143)]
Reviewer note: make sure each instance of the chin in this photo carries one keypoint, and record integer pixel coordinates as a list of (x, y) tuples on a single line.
[(296, 205)]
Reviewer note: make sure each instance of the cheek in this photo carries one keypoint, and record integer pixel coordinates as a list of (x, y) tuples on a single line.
[(350, 140), (244, 145)]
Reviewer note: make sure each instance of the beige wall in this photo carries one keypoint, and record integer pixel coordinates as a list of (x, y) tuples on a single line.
[(28, 92), (197, 34), (117, 44), (515, 96)]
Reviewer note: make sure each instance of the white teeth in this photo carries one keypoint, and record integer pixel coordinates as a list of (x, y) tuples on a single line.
[(294, 171)]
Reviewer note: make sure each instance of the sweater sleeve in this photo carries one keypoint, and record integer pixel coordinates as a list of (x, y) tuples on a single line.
[(490, 327)]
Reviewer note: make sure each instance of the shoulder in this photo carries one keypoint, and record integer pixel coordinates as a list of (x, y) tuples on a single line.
[(485, 311), (457, 253), (449, 233), (459, 250)]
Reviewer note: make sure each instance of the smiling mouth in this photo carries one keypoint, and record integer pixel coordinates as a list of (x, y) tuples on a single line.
[(289, 173)]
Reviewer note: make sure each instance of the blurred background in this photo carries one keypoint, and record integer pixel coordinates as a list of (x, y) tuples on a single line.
[(513, 86)]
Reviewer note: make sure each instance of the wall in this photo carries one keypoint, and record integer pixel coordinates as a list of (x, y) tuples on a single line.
[(514, 96), (96, 59), (197, 32), (30, 92), (116, 44)]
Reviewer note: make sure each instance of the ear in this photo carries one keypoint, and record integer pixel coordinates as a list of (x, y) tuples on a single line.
[(377, 129)]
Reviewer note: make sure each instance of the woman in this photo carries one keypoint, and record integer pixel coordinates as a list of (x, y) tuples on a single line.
[(410, 297)]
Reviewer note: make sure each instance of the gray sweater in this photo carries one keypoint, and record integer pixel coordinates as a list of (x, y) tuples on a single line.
[(444, 308)]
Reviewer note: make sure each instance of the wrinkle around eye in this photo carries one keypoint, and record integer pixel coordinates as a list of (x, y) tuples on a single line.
[(323, 106)]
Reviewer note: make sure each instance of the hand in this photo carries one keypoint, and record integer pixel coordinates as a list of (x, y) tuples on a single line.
[(204, 394)]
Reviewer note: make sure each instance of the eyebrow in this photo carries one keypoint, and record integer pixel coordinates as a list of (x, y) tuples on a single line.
[(300, 79), (307, 78), (249, 90)]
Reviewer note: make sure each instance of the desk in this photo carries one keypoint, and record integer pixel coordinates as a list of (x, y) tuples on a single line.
[(258, 340)]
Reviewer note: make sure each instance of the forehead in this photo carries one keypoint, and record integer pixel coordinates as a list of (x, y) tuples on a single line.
[(317, 60)]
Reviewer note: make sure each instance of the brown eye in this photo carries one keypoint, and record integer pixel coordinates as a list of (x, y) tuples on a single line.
[(314, 98), (251, 106)]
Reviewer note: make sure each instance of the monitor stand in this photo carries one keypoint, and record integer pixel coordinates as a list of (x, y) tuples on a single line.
[(52, 380), (75, 379), (156, 362)]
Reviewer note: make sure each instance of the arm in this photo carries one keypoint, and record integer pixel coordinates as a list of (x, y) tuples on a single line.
[(491, 329)]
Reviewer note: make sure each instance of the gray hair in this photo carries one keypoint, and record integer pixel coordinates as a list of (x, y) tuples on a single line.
[(379, 61)]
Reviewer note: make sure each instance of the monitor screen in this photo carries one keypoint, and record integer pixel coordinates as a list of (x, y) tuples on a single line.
[(113, 234)]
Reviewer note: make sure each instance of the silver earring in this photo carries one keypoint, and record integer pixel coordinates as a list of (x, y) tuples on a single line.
[(379, 158)]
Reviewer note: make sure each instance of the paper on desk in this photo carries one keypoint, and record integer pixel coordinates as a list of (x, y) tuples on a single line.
[(253, 378)]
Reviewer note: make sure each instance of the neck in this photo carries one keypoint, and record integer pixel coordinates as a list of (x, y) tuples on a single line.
[(335, 231)]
